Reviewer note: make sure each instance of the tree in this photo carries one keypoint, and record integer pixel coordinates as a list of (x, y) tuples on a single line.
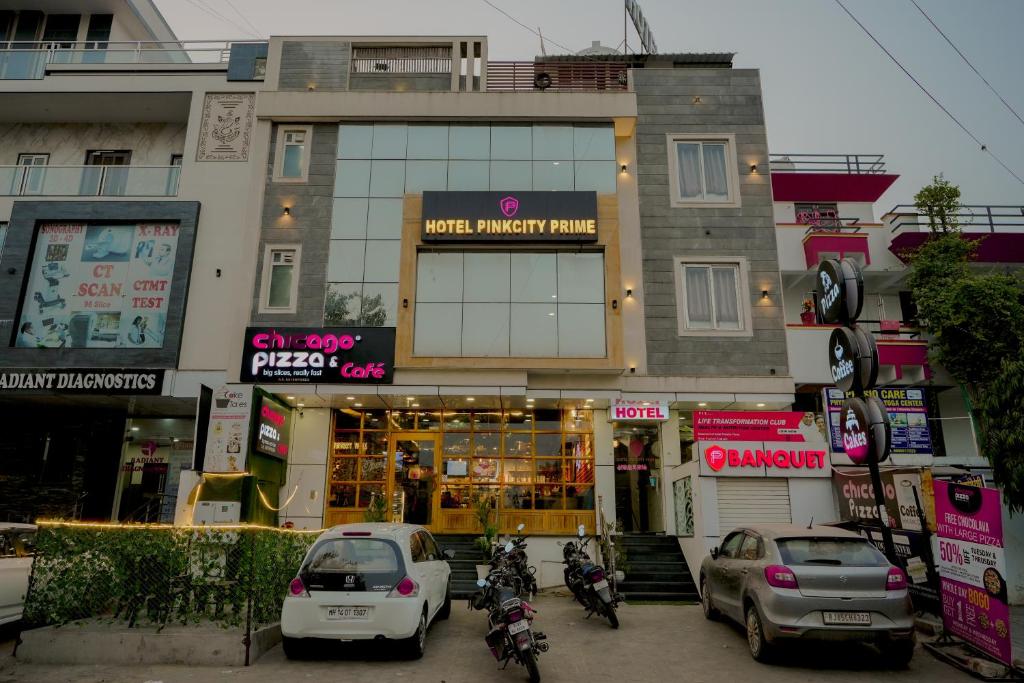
[(974, 321)]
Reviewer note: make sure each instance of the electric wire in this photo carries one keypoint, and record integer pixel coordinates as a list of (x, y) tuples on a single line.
[(198, 4), (967, 61), (534, 32), (983, 146), (244, 18)]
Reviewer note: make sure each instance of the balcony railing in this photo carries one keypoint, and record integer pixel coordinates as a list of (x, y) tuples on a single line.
[(558, 76), (971, 218), (89, 181), (851, 164), (29, 60)]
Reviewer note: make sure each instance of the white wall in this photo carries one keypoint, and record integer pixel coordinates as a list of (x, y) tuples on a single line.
[(152, 144), (812, 499), (307, 469)]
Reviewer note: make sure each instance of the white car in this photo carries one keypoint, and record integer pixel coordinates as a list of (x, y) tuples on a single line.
[(372, 581), (16, 549)]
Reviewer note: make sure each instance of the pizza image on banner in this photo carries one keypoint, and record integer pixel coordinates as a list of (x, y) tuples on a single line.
[(98, 286)]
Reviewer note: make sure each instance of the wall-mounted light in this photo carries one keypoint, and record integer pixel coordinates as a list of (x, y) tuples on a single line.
[(696, 99), (405, 303), (311, 87), (632, 368), (615, 304), (753, 168), (287, 211), (624, 167), (629, 293), (764, 293)]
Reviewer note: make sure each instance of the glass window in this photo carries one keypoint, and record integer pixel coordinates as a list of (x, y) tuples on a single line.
[(553, 175), (352, 178), (282, 267), (354, 141), (534, 330), (511, 142), (593, 143), (425, 175), (387, 178), (581, 330), (428, 142), (580, 277), (468, 175), (382, 258), (534, 278), (486, 277), (711, 293), (390, 141), (731, 546), (379, 304), (345, 260), (348, 218), (846, 552), (416, 550), (702, 171), (469, 142), (385, 219), (438, 329), (553, 142), (485, 329), (294, 150), (342, 303), (511, 175), (439, 277), (598, 176), (517, 498), (751, 548)]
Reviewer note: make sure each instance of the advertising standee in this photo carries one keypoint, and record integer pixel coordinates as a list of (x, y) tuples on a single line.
[(227, 440)]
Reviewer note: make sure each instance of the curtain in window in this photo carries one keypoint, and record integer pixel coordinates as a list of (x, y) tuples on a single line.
[(689, 170), (715, 180), (698, 296), (726, 301)]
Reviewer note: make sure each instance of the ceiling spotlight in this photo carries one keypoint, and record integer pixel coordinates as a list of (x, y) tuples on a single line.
[(470, 398), (415, 405), (590, 400), (760, 405), (358, 405), (350, 398), (290, 398), (301, 405), (702, 404), (135, 429)]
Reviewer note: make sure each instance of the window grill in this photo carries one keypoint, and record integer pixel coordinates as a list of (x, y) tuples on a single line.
[(402, 60)]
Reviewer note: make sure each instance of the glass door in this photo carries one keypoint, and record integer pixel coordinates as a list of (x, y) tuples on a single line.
[(414, 459)]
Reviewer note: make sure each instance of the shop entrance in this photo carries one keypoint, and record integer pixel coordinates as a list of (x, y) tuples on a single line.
[(414, 458), (637, 451)]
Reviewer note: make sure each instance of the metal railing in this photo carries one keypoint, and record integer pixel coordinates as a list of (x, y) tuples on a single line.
[(89, 181), (884, 330), (831, 224), (970, 218), (402, 60), (557, 76), (851, 164), (21, 60)]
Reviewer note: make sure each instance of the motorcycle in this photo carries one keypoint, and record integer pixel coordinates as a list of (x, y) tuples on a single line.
[(513, 555), (510, 635), (587, 580)]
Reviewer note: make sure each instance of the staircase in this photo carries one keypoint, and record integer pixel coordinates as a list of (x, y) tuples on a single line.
[(467, 556), (656, 569)]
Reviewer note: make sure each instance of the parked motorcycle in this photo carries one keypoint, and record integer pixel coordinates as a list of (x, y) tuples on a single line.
[(513, 555), (510, 635), (587, 580)]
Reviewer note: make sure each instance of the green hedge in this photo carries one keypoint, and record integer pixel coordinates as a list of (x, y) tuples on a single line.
[(162, 575)]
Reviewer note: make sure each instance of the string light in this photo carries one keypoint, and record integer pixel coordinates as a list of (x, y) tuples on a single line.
[(211, 527)]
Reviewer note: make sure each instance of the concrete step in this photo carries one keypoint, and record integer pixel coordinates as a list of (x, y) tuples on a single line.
[(660, 596), (678, 586)]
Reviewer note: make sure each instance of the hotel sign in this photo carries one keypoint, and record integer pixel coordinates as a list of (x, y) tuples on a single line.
[(528, 216)]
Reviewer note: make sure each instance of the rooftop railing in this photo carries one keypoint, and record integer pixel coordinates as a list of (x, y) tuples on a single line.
[(970, 218), (851, 164), (582, 76), (89, 181), (29, 60)]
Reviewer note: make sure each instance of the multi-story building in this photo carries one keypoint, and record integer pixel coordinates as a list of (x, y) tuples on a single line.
[(126, 157)]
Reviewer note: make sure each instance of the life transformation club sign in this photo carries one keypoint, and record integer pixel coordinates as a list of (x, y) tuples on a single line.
[(972, 567)]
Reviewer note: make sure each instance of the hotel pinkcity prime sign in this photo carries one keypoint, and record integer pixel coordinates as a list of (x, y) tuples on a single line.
[(527, 216), (326, 355), (760, 444)]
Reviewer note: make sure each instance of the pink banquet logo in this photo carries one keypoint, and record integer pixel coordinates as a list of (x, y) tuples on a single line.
[(509, 206), (715, 457)]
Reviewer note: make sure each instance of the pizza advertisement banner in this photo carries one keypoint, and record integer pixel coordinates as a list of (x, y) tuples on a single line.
[(972, 567), (98, 286)]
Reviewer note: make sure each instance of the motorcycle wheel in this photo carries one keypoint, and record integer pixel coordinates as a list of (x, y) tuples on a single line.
[(530, 662), (613, 618)]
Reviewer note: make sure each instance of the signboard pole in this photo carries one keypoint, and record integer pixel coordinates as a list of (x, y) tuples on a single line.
[(883, 516)]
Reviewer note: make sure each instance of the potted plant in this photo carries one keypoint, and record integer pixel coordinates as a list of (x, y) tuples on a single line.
[(377, 510), (482, 507), (807, 315)]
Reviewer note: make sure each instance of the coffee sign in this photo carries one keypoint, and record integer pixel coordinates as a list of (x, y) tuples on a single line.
[(853, 359), (528, 216), (328, 355)]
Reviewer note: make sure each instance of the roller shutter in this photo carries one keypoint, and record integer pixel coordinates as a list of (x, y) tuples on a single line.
[(752, 501)]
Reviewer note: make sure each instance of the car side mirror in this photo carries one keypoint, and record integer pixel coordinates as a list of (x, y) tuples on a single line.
[(714, 553), (449, 554)]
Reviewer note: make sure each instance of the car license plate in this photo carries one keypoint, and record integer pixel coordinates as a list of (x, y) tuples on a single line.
[(518, 626), (847, 618), (598, 585), (348, 613)]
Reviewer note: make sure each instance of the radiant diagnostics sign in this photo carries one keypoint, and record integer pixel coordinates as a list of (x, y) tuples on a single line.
[(972, 567), (760, 444), (98, 286)]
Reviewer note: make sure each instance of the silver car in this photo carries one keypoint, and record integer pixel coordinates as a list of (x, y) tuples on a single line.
[(786, 582)]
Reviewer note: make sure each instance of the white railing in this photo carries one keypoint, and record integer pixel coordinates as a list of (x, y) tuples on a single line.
[(28, 60), (89, 181)]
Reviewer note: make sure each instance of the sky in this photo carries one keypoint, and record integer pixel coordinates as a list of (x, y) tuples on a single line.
[(827, 87)]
